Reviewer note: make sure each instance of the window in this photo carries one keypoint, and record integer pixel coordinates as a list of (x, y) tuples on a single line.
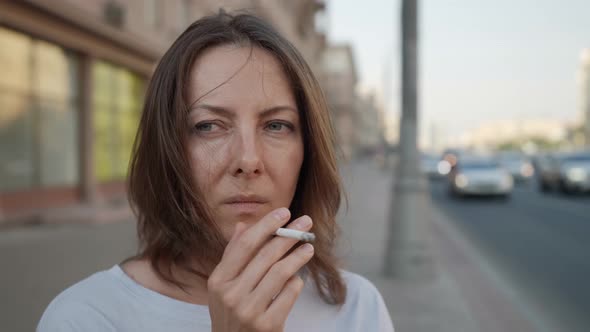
[(57, 106), (117, 103), (184, 14), (38, 113), (152, 13)]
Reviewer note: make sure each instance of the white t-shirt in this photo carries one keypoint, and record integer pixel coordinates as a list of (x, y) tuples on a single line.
[(111, 301)]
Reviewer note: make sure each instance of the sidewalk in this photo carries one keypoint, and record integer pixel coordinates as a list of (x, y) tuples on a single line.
[(98, 213), (464, 295)]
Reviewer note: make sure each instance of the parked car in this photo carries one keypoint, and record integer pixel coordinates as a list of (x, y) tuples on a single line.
[(479, 177), (519, 165), (574, 172)]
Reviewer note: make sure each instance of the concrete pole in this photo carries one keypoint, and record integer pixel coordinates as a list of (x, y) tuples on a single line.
[(407, 253)]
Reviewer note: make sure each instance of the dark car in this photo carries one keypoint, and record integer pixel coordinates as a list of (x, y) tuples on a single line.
[(547, 171), (567, 172)]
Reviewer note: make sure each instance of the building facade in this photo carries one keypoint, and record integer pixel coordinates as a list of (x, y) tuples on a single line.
[(584, 96), (72, 83), (339, 79), (371, 126), (495, 133)]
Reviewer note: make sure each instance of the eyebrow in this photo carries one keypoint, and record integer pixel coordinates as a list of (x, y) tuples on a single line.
[(230, 114)]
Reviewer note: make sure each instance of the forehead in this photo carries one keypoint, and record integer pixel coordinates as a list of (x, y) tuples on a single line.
[(238, 72)]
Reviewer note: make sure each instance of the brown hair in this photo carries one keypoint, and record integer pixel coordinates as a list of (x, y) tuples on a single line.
[(175, 227)]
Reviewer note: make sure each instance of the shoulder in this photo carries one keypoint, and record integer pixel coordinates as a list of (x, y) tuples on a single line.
[(356, 283), (359, 290), (364, 300), (78, 307)]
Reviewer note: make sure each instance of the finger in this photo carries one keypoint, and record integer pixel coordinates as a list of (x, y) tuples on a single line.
[(275, 279), (242, 247), (269, 254), (238, 230), (280, 308)]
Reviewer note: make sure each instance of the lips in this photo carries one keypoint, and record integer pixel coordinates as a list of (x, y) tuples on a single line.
[(245, 199), (245, 205)]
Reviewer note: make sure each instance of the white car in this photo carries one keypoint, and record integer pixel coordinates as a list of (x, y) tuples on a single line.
[(574, 172), (480, 177)]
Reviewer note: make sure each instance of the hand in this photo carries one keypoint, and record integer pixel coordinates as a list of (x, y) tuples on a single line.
[(253, 288)]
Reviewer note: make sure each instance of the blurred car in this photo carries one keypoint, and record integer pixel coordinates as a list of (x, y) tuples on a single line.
[(517, 164), (452, 156), (428, 165), (567, 172), (574, 172), (547, 171), (434, 167), (479, 177)]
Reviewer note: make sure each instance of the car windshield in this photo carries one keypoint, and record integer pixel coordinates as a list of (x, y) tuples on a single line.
[(577, 158), (511, 157), (479, 165), (514, 161)]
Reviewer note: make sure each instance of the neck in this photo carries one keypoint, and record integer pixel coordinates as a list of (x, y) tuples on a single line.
[(195, 287)]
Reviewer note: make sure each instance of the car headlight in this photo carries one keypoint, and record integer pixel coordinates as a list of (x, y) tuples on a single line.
[(527, 170), (576, 174), (507, 181), (461, 181), (443, 167)]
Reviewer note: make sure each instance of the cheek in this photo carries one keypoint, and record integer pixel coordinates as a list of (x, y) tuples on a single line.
[(206, 162), (288, 166), (297, 161)]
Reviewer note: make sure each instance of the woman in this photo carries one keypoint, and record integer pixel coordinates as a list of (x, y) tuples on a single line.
[(234, 141)]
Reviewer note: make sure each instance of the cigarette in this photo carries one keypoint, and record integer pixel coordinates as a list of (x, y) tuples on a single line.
[(294, 234)]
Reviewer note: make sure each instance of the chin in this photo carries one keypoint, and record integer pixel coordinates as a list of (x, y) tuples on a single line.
[(227, 222)]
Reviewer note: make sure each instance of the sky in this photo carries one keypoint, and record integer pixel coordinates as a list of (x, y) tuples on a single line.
[(480, 60)]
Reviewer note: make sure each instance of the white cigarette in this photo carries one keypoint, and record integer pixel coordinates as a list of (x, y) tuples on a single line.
[(294, 234)]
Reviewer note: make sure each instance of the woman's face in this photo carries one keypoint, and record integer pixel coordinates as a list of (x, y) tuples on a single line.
[(245, 134)]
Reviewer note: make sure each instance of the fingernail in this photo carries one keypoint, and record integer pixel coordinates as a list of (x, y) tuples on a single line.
[(302, 222), (282, 213), (307, 247)]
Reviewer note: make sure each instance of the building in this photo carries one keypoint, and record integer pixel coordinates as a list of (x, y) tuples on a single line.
[(584, 95), (73, 77), (339, 79), (371, 126), (496, 133)]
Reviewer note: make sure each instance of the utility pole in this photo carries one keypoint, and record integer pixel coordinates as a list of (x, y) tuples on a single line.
[(407, 253)]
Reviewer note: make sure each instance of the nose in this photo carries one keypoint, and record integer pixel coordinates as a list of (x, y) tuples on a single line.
[(248, 159)]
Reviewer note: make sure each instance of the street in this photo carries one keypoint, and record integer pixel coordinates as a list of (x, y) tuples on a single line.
[(538, 242)]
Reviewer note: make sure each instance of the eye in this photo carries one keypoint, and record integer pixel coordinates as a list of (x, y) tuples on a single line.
[(205, 126), (278, 126)]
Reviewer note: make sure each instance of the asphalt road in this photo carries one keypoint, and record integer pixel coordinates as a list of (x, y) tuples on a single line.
[(539, 243)]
